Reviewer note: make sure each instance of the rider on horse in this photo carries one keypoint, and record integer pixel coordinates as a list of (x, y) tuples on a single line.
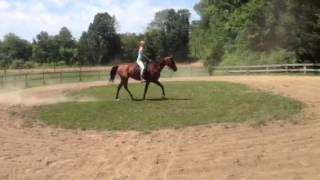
[(141, 60)]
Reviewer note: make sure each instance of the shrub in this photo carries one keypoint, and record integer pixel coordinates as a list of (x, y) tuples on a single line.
[(249, 57), (29, 65), (3, 64), (17, 64), (61, 63)]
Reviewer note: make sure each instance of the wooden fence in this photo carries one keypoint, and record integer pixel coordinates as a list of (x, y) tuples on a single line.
[(37, 77), (276, 68), (28, 78), (24, 78)]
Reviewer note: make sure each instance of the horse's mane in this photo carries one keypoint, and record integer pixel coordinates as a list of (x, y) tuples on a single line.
[(156, 62)]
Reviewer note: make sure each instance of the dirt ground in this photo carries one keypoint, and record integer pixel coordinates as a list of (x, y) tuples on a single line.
[(277, 151)]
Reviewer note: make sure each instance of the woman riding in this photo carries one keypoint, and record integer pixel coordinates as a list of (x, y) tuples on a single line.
[(140, 60)]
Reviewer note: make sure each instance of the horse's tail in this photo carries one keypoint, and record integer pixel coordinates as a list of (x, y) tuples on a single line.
[(113, 73)]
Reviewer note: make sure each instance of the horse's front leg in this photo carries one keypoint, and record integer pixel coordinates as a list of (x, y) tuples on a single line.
[(159, 84), (146, 90)]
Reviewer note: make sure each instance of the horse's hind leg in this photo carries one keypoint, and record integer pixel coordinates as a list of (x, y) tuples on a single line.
[(126, 87), (159, 84), (119, 87)]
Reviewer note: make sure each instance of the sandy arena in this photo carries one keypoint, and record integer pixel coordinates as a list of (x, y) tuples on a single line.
[(277, 151)]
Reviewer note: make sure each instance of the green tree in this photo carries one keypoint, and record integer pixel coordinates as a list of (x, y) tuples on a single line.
[(129, 46), (103, 40), (83, 52), (13, 47), (46, 48), (168, 33), (4, 58), (41, 47), (308, 33), (221, 22), (67, 44), (261, 28)]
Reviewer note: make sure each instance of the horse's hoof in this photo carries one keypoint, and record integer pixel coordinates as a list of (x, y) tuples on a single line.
[(117, 99)]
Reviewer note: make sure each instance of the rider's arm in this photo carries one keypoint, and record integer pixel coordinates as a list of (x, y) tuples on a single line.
[(148, 59), (141, 50)]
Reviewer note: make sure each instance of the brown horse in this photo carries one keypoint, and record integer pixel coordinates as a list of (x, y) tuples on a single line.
[(126, 71)]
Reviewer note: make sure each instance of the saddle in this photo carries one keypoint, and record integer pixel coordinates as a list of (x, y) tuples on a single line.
[(137, 69)]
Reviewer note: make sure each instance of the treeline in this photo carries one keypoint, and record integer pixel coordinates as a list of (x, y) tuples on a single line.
[(234, 32), (101, 44), (229, 32)]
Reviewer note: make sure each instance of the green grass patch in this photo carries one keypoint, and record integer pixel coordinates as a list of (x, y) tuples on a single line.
[(187, 104)]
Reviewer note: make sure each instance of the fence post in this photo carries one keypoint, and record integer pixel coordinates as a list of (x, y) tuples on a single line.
[(210, 70), (304, 69), (15, 79), (287, 69), (2, 80), (267, 69), (43, 78), (99, 75), (80, 74), (60, 75), (26, 80), (5, 73)]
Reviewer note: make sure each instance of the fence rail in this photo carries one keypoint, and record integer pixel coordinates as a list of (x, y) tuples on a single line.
[(38, 77), (275, 68), (30, 78)]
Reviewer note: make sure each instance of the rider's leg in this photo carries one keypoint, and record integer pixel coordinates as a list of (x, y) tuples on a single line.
[(140, 63), (144, 74)]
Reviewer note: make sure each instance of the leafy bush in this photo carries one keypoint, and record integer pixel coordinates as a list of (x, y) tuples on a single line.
[(3, 64), (248, 57), (61, 63), (17, 64), (29, 65)]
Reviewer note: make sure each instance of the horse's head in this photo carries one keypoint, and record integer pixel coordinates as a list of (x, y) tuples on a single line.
[(169, 61)]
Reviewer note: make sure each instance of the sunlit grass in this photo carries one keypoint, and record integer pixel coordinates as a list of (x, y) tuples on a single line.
[(187, 104)]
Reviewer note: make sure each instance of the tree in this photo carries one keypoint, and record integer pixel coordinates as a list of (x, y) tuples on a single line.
[(83, 52), (103, 40), (257, 27), (46, 48), (67, 44), (221, 22), (168, 33), (41, 47), (13, 47), (129, 46), (4, 58), (308, 33)]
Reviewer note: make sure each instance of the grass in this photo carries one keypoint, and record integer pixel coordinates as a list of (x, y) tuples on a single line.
[(188, 104)]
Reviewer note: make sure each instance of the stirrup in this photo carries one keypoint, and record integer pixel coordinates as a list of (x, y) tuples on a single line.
[(142, 79)]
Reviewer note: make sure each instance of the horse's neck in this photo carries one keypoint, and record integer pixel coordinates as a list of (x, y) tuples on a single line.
[(162, 64)]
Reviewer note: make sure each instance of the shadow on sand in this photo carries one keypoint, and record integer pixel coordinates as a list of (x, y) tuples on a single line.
[(164, 99)]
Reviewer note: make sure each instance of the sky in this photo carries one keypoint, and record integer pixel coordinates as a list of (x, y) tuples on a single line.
[(26, 18)]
